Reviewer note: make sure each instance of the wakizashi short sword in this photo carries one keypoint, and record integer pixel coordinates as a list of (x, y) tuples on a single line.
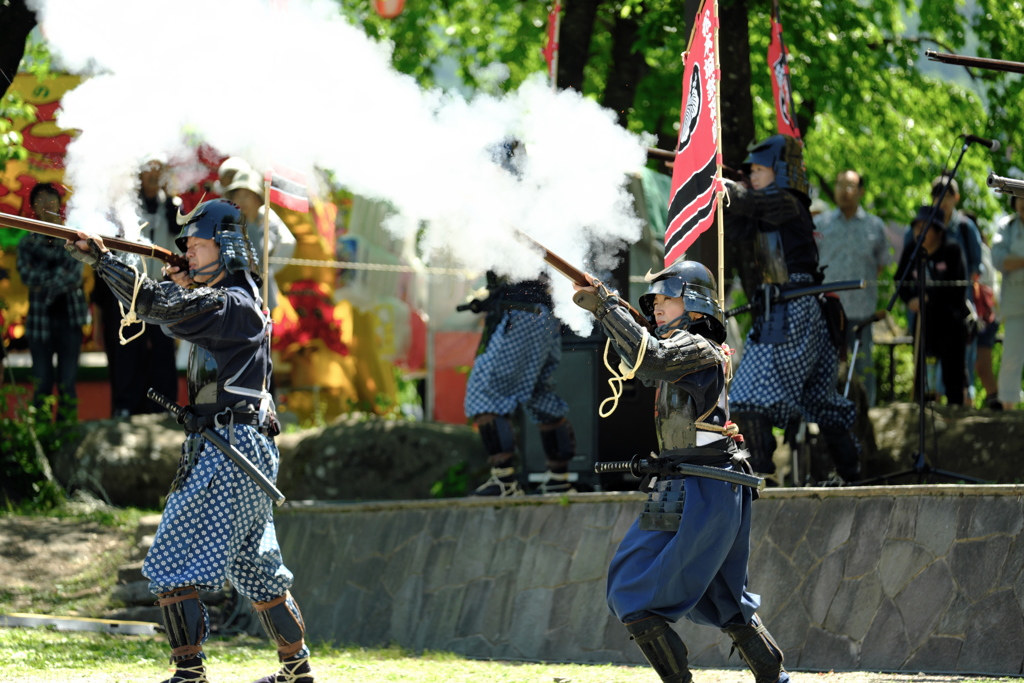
[(226, 448)]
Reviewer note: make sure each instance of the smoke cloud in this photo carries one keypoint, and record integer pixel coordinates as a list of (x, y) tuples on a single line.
[(302, 87)]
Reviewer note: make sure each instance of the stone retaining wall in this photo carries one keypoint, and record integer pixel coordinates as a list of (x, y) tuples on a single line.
[(915, 578)]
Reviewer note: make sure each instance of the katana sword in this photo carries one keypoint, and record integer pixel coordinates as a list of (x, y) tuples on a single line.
[(235, 455), (640, 467)]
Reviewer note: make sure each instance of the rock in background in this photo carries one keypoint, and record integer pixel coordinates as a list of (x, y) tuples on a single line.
[(358, 458), (978, 443), (132, 462)]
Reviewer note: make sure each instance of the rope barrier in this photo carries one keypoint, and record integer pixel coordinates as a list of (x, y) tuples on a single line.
[(378, 267)]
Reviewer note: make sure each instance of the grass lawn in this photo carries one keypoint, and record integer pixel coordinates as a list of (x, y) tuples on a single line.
[(48, 656)]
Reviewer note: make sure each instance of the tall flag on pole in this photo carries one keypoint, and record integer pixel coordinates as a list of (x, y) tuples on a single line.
[(550, 50), (782, 90), (288, 188), (696, 172)]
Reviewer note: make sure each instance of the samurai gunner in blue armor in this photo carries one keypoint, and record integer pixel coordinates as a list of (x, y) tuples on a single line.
[(791, 359), (217, 524), (686, 555)]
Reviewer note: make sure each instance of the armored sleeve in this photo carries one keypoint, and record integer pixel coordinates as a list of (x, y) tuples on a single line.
[(159, 303), (772, 206), (664, 359)]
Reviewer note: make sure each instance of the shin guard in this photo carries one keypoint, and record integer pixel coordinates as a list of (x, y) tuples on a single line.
[(758, 649), (559, 442), (663, 648), (282, 621), (186, 621), (499, 438)]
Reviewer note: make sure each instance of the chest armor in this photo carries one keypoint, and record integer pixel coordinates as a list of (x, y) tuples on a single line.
[(674, 418), (201, 376), (770, 258)]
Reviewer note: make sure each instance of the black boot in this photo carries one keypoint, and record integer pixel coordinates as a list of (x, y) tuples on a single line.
[(663, 648), (845, 451), (759, 650)]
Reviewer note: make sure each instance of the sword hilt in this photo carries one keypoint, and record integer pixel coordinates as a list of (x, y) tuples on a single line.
[(632, 466), (165, 403)]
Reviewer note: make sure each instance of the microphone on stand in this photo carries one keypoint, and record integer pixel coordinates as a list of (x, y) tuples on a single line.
[(993, 145)]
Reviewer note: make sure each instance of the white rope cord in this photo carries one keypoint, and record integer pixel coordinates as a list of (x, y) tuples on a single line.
[(130, 318), (379, 267), (617, 380)]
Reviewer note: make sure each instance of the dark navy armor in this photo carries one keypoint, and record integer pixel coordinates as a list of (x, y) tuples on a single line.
[(201, 376), (218, 374)]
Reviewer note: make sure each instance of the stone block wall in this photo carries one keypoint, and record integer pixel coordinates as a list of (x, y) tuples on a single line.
[(916, 578)]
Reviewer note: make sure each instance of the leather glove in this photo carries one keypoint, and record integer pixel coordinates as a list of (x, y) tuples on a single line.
[(89, 258), (598, 303)]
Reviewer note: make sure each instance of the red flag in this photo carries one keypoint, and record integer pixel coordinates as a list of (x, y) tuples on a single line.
[(695, 174), (778, 63), (288, 188), (550, 50)]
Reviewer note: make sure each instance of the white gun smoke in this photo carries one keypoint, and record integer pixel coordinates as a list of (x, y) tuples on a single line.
[(303, 87)]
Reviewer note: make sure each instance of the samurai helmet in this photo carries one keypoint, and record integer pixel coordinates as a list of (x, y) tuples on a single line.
[(695, 285), (784, 155), (223, 222)]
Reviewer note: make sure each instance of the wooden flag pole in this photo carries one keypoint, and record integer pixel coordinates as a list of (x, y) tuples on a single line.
[(558, 36), (265, 264), (718, 174)]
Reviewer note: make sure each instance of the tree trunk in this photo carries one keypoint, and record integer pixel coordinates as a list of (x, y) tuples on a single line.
[(737, 104), (16, 21), (628, 66), (737, 116), (574, 42)]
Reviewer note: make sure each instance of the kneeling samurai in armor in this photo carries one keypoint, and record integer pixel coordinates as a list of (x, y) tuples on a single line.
[(686, 556), (217, 524)]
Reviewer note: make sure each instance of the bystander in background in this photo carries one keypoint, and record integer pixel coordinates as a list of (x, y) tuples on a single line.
[(57, 309), (147, 360), (945, 321), (1008, 257), (246, 190), (852, 246), (986, 304)]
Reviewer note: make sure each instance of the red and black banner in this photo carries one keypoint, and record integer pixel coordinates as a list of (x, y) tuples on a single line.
[(695, 174), (782, 91), (288, 189)]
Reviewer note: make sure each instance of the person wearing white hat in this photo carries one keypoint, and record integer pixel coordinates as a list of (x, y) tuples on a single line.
[(246, 191)]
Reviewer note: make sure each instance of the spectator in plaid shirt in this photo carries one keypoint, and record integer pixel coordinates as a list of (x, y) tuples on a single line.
[(56, 303)]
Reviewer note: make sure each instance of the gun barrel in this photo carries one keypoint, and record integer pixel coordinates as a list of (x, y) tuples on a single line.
[(977, 62), (790, 294), (59, 231), (1006, 185)]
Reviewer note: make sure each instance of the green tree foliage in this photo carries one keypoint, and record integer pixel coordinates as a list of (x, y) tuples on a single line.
[(872, 100), (36, 61)]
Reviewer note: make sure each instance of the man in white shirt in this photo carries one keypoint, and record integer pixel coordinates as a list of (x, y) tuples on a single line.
[(853, 246)]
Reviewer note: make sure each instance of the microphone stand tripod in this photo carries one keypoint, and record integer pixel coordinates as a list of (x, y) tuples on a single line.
[(919, 256)]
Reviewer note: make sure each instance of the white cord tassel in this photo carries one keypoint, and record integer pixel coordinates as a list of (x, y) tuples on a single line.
[(130, 318), (619, 377)]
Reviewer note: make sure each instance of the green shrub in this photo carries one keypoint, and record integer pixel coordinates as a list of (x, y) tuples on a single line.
[(30, 435)]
